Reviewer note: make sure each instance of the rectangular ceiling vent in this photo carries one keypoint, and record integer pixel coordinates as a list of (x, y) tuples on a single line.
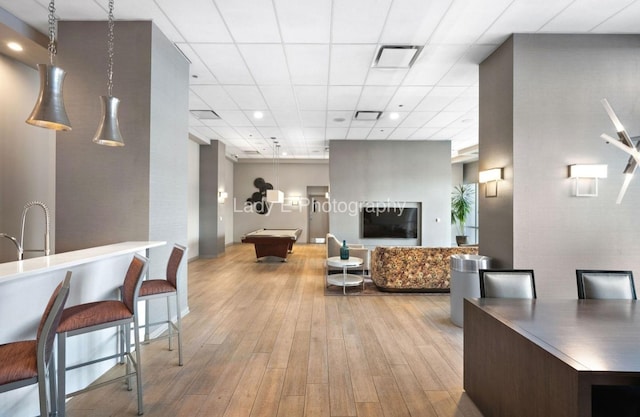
[(205, 114), (251, 152), (367, 115), (396, 56)]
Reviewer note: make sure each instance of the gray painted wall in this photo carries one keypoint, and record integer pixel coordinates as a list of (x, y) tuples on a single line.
[(135, 192), (413, 171), (27, 160), (558, 82), (496, 146), (293, 179), (212, 211), (194, 199)]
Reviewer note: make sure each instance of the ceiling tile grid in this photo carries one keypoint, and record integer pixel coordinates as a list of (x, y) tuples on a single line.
[(307, 65)]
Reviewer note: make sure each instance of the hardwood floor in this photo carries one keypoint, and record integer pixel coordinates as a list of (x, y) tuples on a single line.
[(262, 340)]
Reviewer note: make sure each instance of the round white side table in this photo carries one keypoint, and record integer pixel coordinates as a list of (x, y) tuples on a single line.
[(345, 280)]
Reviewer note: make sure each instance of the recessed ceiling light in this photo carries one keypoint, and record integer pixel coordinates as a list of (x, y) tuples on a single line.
[(258, 115), (14, 46), (284, 154), (394, 116)]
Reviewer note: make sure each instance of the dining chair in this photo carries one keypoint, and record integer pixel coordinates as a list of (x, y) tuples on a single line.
[(94, 316), (166, 288), (507, 283), (604, 284), (29, 362)]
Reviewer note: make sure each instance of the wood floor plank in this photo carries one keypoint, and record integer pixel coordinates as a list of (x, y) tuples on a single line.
[(340, 386), (263, 340), (317, 401), (269, 394)]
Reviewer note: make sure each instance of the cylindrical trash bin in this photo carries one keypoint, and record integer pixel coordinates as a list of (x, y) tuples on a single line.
[(465, 282)]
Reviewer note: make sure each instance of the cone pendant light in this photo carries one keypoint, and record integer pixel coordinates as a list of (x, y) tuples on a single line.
[(108, 132), (49, 111)]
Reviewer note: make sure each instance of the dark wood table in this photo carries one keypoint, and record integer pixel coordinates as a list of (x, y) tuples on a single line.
[(273, 242), (551, 357)]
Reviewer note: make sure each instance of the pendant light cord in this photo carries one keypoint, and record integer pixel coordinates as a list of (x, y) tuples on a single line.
[(110, 38), (52, 31)]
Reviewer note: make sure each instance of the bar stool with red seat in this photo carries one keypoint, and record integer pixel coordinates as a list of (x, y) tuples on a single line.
[(166, 288), (28, 362), (90, 317)]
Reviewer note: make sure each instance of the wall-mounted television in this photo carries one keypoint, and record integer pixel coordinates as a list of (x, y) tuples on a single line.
[(389, 222)]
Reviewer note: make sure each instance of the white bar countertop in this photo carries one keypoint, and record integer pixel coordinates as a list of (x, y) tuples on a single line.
[(20, 269)]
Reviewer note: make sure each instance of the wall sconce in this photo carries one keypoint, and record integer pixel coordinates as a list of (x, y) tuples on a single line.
[(222, 196), (490, 178), (586, 178), (294, 200)]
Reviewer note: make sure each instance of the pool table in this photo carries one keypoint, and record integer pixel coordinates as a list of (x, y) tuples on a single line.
[(273, 242)]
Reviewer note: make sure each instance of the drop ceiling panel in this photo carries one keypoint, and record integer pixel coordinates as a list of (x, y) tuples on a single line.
[(375, 97), (350, 64), (590, 15), (249, 133), (196, 20), (215, 123), (337, 133), (304, 21), (355, 21), (279, 97), (411, 22), (356, 133), (196, 103), (198, 71), (251, 21), (227, 133), (308, 64), (143, 10), (247, 97), (234, 117), (343, 97), (425, 133), (311, 97), (443, 119), (313, 118), (194, 121), (313, 133), (401, 133), (378, 133), (527, 16), (434, 63), (204, 132), (225, 62), (463, 104), (417, 119), (271, 131), (215, 97), (292, 133), (384, 76), (287, 118), (407, 98), (624, 22), (467, 20), (266, 63)]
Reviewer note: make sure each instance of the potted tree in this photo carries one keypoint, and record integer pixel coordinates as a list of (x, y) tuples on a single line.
[(461, 202)]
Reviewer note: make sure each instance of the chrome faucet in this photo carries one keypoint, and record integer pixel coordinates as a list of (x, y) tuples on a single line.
[(20, 244), (45, 209), (15, 242)]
